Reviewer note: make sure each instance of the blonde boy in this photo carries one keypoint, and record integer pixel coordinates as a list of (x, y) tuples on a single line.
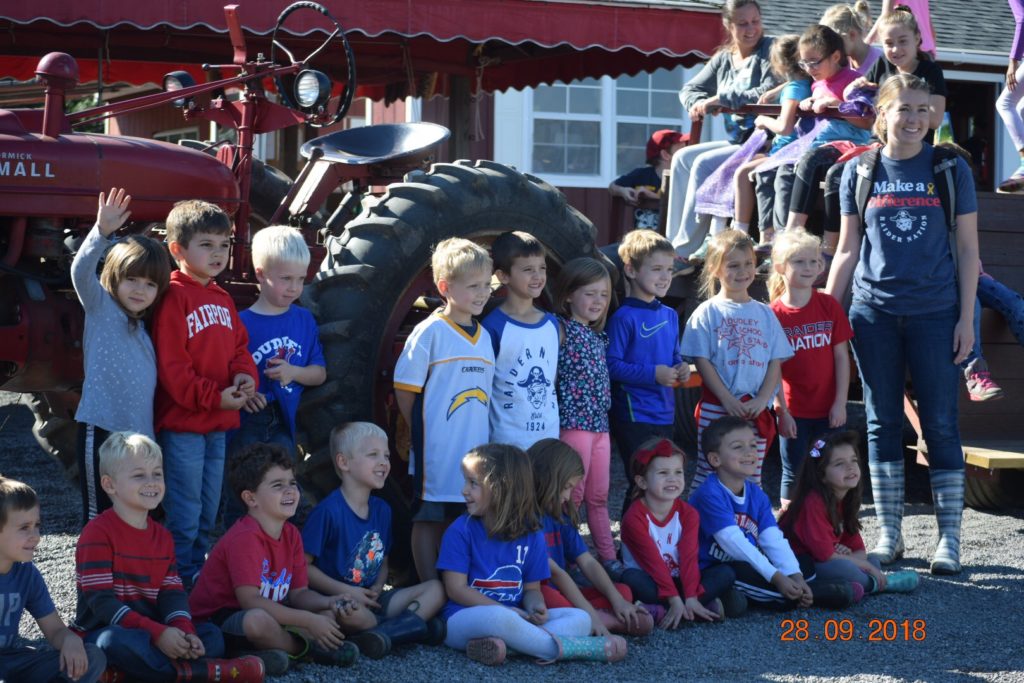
[(347, 539), (204, 373), (443, 388), (131, 602), (21, 588)]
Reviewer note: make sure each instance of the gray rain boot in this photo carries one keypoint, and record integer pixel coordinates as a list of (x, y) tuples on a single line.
[(887, 487), (948, 496)]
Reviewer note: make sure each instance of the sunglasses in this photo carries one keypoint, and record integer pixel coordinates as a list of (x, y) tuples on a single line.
[(806, 66)]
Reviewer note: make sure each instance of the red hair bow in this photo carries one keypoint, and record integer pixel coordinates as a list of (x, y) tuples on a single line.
[(662, 449)]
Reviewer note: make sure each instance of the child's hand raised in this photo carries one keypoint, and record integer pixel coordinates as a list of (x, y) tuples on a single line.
[(113, 211)]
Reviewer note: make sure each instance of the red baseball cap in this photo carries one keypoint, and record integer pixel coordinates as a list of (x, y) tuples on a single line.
[(664, 139)]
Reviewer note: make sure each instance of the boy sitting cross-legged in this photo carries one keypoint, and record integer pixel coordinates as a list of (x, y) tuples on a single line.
[(22, 587), (131, 602), (254, 584), (347, 539)]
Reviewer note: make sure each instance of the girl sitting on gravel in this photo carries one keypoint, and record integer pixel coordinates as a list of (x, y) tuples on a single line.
[(557, 470), (822, 522), (492, 561)]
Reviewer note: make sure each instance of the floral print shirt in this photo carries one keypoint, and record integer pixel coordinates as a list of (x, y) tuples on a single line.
[(584, 389)]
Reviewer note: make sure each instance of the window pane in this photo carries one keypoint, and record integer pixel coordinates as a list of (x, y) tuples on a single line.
[(549, 131), (666, 105), (665, 79), (583, 160), (549, 98), (631, 148), (639, 81), (584, 133), (548, 159), (631, 103), (585, 100)]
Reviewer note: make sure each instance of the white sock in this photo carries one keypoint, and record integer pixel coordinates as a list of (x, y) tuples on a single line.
[(738, 225), (718, 224)]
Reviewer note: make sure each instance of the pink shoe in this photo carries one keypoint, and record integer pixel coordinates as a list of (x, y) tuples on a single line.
[(980, 387), (858, 592)]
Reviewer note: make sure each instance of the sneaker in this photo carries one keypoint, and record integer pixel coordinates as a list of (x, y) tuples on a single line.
[(858, 591), (717, 607), (832, 594), (765, 244), (980, 387), (614, 569), (702, 251), (901, 582), (1014, 183), (734, 603), (681, 266), (275, 662), (345, 654), (656, 611), (487, 651)]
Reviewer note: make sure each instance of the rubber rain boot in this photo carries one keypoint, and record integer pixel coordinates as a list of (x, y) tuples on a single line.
[(948, 496), (590, 648), (887, 487), (248, 669)]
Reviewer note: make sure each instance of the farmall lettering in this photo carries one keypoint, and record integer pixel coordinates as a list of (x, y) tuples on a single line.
[(22, 165)]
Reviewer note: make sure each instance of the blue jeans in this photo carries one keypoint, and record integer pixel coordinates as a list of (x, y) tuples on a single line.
[(131, 650), (194, 473), (793, 450), (995, 295), (32, 664), (885, 346), (266, 426), (841, 569)]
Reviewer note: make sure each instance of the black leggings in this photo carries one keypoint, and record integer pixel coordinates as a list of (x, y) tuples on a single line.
[(716, 580)]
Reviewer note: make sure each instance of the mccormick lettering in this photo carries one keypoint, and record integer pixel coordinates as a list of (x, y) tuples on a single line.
[(22, 170)]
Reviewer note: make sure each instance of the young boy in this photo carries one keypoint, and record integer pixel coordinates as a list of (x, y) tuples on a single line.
[(254, 585), (643, 349), (443, 385), (284, 344), (22, 587), (645, 182), (205, 375), (737, 527), (347, 539), (524, 409), (130, 599)]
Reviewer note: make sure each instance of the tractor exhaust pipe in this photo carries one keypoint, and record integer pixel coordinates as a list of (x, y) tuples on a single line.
[(59, 73)]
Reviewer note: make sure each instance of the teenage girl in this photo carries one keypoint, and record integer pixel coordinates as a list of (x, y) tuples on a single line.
[(822, 519), (659, 541), (816, 379), (492, 561), (737, 345), (784, 57), (581, 295), (557, 471), (119, 359)]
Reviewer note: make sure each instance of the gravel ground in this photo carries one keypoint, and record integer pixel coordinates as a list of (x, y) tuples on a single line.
[(969, 619)]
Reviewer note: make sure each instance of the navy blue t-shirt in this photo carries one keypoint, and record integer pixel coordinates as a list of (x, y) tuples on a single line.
[(347, 547), (20, 589), (642, 177), (905, 265)]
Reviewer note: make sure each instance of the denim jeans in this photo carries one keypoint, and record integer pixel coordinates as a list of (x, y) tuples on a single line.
[(793, 451), (716, 580), (266, 426), (131, 650), (43, 664), (194, 473), (885, 346)]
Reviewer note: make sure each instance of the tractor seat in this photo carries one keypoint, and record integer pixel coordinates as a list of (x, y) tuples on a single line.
[(385, 142)]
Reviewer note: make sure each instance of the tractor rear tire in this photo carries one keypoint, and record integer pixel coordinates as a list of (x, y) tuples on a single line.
[(379, 265), (1001, 490)]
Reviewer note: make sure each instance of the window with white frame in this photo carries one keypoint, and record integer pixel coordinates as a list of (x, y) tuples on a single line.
[(644, 103), (567, 128)]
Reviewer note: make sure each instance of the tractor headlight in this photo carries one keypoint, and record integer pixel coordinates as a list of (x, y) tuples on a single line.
[(178, 80), (312, 89)]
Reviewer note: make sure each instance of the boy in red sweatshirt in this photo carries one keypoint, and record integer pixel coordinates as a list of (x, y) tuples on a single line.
[(204, 376)]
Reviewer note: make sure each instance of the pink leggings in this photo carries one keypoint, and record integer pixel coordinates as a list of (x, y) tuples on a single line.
[(595, 450)]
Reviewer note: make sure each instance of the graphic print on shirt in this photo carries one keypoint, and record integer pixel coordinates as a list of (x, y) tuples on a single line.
[(207, 315), (817, 335), (274, 585), (505, 584), (905, 225), (283, 348), (748, 525), (742, 335), (366, 558), (465, 396), (10, 605)]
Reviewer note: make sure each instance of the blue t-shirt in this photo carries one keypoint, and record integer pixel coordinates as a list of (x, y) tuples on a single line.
[(20, 589), (291, 335), (719, 509), (498, 569), (524, 403), (563, 540), (905, 265), (347, 547), (798, 90)]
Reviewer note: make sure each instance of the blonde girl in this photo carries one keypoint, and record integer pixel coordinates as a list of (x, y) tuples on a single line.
[(557, 471), (815, 381), (913, 307), (660, 541), (119, 359), (581, 295), (851, 22), (737, 345), (822, 521), (492, 561)]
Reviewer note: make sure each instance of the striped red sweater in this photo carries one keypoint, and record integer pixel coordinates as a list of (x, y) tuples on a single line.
[(128, 577)]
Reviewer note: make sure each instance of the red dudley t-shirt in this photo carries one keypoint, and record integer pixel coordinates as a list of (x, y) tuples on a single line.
[(812, 534)]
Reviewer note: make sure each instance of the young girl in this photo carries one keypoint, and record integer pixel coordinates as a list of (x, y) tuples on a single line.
[(922, 15), (737, 345), (822, 519), (119, 360), (492, 561), (557, 471), (851, 22), (659, 541), (816, 379), (581, 296)]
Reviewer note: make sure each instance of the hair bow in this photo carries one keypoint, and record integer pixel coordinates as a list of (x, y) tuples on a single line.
[(816, 449), (662, 449)]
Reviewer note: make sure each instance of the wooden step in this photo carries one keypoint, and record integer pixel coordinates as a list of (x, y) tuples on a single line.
[(995, 454)]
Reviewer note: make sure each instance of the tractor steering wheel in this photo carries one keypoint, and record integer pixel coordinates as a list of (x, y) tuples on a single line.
[(323, 118)]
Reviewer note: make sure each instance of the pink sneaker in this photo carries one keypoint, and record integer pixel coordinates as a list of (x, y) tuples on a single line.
[(980, 387)]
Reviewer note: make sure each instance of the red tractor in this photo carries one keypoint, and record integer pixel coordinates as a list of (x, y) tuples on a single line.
[(374, 283)]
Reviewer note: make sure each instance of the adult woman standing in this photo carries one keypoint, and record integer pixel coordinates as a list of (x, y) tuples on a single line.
[(738, 74), (908, 311)]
